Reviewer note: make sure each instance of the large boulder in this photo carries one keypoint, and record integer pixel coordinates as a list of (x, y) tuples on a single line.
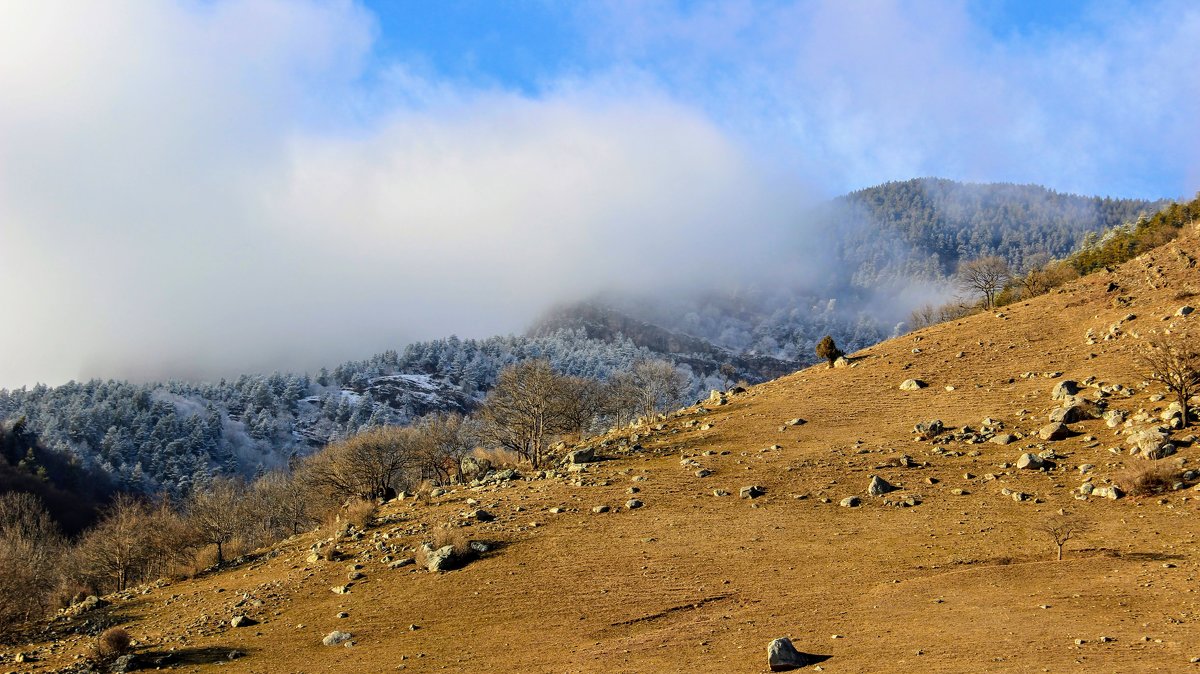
[(912, 385), (782, 656), (880, 486), (1064, 389), (1054, 431)]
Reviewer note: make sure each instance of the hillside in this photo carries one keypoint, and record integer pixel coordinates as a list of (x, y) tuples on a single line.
[(168, 436), (862, 262), (948, 574)]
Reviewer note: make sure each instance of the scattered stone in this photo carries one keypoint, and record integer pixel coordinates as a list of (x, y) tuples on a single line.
[(1054, 431), (400, 563), (1184, 310), (1064, 389), (579, 456), (1030, 462), (335, 637), (703, 472), (481, 515), (1004, 439), (633, 504), (795, 422), (912, 385), (720, 492), (242, 621), (600, 509), (1076, 411), (439, 560), (880, 486), (851, 502), (782, 656), (928, 430), (340, 589), (752, 491)]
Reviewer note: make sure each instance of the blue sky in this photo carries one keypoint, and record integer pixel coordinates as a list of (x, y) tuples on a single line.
[(363, 175), (1071, 72)]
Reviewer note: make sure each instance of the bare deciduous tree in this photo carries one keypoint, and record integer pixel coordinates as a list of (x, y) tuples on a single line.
[(1062, 529), (220, 513), (526, 409), (443, 442), (660, 385), (369, 465), (30, 550), (1174, 361), (986, 275)]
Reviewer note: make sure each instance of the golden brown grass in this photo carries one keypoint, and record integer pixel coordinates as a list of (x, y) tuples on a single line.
[(1148, 478)]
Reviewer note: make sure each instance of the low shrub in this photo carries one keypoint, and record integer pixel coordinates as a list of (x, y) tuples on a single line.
[(1148, 479)]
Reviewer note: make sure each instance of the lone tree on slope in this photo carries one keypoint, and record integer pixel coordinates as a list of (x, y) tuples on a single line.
[(828, 350), (1174, 361), (987, 276)]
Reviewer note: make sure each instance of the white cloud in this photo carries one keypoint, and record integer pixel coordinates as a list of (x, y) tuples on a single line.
[(177, 201)]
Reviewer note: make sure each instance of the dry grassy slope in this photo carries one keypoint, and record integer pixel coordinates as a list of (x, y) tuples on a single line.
[(694, 582)]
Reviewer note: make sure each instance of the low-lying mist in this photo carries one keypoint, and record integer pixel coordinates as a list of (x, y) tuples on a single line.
[(197, 190)]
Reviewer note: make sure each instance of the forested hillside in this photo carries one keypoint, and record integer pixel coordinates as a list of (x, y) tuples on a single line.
[(174, 436), (889, 247), (865, 260)]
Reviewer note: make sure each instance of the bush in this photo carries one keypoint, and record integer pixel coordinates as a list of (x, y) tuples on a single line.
[(112, 643), (360, 513), (828, 350), (1148, 479)]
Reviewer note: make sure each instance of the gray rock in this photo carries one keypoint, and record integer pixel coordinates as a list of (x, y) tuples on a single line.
[(1054, 431), (927, 430), (703, 472), (1030, 462), (850, 502), (1184, 310), (880, 486), (782, 656), (600, 509), (481, 515), (479, 547), (1004, 439), (242, 621), (752, 491), (401, 563), (1087, 488), (335, 637), (585, 455), (1064, 389), (633, 504), (440, 559), (1114, 418), (1076, 411), (795, 422), (912, 385)]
